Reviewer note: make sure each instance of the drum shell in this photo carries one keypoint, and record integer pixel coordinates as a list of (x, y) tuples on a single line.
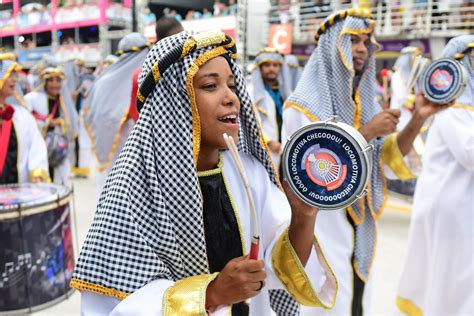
[(36, 257), (456, 93), (361, 146)]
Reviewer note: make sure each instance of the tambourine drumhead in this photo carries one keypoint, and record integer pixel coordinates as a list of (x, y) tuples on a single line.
[(327, 164), (444, 81), (29, 195)]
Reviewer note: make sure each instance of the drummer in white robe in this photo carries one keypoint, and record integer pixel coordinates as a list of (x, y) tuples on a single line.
[(174, 219), (438, 275), (339, 79), (53, 108), (23, 156)]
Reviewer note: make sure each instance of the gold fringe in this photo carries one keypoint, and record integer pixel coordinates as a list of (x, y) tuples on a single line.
[(99, 289)]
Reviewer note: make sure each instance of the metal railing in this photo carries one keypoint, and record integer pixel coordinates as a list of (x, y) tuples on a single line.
[(409, 20)]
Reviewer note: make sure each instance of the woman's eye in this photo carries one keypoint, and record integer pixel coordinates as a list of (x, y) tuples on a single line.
[(209, 86), (233, 87)]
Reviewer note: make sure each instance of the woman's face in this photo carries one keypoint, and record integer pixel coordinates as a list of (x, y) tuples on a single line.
[(217, 103), (9, 85), (53, 86)]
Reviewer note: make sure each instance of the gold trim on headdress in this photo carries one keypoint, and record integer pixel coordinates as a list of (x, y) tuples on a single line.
[(13, 67), (80, 61), (411, 50), (269, 50), (354, 12), (51, 72)]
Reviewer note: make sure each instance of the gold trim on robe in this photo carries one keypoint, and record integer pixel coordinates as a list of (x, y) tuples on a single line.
[(393, 158), (188, 296), (291, 273)]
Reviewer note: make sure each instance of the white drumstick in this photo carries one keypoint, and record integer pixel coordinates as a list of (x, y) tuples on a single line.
[(238, 162)]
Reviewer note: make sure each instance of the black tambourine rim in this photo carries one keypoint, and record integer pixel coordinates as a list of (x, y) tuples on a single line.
[(454, 91), (356, 140)]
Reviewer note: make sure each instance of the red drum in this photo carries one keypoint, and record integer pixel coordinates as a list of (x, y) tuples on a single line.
[(36, 253)]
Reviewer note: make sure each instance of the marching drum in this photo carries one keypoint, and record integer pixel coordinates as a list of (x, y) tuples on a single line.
[(327, 164), (444, 80), (36, 253)]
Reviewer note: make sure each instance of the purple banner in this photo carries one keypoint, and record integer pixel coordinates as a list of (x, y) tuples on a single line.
[(398, 44)]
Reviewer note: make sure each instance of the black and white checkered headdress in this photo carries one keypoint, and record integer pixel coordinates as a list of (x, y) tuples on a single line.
[(148, 223)]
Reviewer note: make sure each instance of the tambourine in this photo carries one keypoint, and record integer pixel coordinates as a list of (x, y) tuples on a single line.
[(327, 164), (444, 81)]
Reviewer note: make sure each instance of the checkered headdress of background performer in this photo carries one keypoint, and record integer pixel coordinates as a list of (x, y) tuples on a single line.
[(107, 107), (326, 89), (460, 48), (148, 222)]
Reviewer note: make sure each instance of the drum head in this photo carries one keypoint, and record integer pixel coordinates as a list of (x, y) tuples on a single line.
[(444, 81), (326, 166), (27, 195)]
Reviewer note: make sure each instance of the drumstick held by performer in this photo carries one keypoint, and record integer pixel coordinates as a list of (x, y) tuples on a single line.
[(339, 80), (173, 223), (23, 155)]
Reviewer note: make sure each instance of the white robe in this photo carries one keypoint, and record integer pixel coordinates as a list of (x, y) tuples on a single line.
[(336, 237), (438, 276), (38, 102), (274, 215), (32, 153)]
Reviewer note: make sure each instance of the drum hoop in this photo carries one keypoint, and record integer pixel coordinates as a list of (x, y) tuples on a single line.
[(18, 212), (462, 81), (358, 142)]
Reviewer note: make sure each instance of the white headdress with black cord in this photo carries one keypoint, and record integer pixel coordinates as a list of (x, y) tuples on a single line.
[(327, 88), (148, 222)]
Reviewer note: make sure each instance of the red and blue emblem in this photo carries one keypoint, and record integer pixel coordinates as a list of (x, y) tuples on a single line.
[(324, 167), (444, 81)]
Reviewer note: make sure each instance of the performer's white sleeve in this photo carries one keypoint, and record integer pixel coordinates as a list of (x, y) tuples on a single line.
[(457, 131), (147, 300), (313, 285)]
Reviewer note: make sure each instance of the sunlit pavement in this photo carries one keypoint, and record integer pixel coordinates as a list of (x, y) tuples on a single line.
[(391, 251)]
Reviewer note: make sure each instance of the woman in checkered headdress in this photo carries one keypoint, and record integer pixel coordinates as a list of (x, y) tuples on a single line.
[(339, 80), (173, 221)]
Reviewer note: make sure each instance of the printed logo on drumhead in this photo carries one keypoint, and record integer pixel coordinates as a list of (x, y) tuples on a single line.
[(441, 79), (324, 167)]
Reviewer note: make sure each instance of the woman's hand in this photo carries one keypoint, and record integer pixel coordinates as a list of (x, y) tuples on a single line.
[(240, 279), (425, 108), (55, 122)]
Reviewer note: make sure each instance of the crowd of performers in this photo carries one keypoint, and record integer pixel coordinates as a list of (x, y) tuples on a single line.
[(172, 229)]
